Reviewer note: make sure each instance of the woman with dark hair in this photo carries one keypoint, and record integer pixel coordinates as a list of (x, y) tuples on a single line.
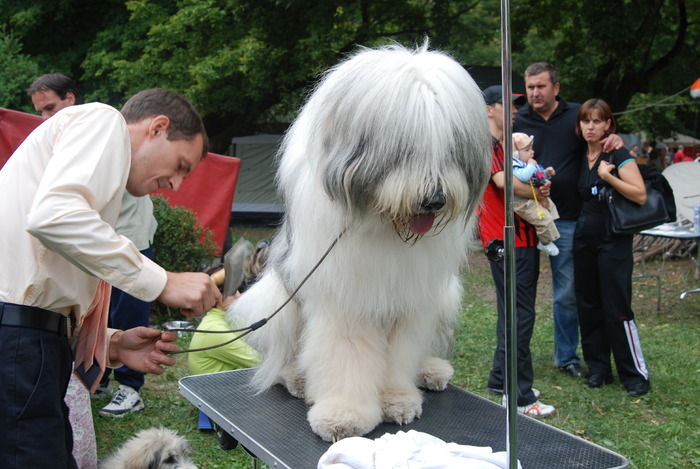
[(603, 261)]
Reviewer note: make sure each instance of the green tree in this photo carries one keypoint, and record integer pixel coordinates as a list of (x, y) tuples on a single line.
[(246, 64), (17, 71), (58, 33), (610, 49), (656, 115)]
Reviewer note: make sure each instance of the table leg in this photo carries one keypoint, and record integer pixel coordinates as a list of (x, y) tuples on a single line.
[(695, 290)]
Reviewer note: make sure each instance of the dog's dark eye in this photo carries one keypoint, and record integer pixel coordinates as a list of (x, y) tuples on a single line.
[(170, 460)]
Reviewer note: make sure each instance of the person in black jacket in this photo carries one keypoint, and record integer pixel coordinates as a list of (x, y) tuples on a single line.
[(603, 262)]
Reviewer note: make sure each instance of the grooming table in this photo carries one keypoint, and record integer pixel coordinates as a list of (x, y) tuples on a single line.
[(272, 426)]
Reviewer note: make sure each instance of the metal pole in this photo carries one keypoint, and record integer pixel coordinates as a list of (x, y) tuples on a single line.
[(511, 384)]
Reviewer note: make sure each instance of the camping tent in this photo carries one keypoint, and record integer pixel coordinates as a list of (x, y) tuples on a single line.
[(687, 141), (256, 197), (683, 178)]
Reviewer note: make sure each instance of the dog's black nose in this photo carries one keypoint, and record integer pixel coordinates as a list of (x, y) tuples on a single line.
[(435, 203)]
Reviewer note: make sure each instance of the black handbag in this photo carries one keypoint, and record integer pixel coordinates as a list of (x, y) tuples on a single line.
[(627, 217)]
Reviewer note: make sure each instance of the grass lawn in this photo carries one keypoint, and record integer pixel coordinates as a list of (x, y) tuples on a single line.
[(657, 431)]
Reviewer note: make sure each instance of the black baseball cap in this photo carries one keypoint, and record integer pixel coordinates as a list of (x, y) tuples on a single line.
[(494, 94)]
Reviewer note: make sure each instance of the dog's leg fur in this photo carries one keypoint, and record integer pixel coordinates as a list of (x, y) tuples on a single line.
[(401, 400), (333, 360)]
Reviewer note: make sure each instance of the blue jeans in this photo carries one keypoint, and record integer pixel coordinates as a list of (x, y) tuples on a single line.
[(566, 331)]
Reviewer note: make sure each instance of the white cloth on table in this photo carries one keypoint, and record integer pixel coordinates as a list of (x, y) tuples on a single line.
[(409, 450)]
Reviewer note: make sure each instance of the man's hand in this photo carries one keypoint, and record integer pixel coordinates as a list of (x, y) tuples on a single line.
[(545, 189), (143, 349), (193, 292), (612, 142)]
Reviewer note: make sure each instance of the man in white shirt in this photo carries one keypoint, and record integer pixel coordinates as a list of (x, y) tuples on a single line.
[(50, 93), (60, 196)]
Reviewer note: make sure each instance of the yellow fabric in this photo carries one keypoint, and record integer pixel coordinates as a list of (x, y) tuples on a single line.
[(540, 212), (233, 356)]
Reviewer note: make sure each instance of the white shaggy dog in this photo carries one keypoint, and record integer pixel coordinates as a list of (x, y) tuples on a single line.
[(154, 448), (392, 149)]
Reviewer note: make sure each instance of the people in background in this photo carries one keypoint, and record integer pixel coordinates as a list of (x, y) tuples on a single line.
[(52, 92), (603, 261), (634, 151), (491, 217), (551, 121), (138, 224), (237, 354), (231, 355), (679, 155)]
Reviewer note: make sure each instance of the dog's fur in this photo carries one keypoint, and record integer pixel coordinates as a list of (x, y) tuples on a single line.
[(154, 448), (392, 146)]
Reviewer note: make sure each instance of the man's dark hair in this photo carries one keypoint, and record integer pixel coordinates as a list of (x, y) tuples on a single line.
[(540, 67), (185, 121), (57, 82)]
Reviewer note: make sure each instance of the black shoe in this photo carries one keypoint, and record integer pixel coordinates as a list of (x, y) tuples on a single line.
[(574, 370), (598, 379), (639, 389)]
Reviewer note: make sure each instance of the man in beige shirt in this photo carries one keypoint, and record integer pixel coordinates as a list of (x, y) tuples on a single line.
[(60, 196)]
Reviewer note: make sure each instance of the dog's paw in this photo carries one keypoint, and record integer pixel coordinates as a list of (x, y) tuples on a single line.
[(335, 419), (295, 384), (402, 406), (435, 373)]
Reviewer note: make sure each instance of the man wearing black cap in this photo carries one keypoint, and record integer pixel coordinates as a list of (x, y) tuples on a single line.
[(491, 216)]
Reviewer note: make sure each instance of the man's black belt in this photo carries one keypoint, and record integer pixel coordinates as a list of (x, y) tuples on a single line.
[(36, 318)]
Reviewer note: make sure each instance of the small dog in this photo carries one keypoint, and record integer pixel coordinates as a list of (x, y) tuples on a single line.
[(153, 448), (391, 150)]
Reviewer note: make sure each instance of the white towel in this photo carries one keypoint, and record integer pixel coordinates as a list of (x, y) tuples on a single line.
[(409, 450)]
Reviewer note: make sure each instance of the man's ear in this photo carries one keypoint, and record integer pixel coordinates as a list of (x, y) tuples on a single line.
[(158, 125), (71, 98)]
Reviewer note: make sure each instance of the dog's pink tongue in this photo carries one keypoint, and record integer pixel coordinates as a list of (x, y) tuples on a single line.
[(421, 224)]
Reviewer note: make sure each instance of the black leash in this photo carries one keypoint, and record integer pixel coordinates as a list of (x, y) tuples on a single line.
[(257, 325)]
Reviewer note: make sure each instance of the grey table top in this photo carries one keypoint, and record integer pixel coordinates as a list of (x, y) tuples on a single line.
[(273, 426)]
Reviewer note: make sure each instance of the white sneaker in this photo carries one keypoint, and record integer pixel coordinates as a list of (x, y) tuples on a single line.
[(124, 401), (550, 248), (537, 409)]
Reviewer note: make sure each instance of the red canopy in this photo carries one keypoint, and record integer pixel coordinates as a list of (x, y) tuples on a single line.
[(14, 128), (208, 191)]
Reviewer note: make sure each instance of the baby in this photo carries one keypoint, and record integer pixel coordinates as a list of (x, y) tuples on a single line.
[(540, 214)]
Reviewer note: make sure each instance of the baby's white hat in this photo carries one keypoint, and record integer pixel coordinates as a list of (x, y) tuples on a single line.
[(521, 140)]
